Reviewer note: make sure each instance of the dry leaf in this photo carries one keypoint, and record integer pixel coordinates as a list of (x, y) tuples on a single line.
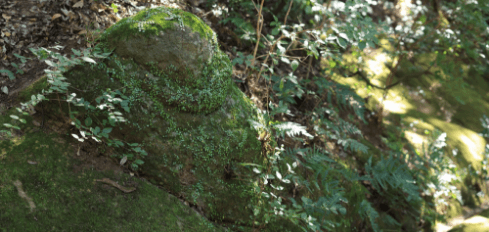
[(84, 17), (98, 7), (6, 17), (36, 123), (78, 4), (55, 16), (82, 32), (65, 11)]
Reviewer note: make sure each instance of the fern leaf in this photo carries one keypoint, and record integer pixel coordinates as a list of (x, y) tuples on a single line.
[(292, 129)]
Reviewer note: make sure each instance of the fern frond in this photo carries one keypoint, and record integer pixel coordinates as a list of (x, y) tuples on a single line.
[(292, 129)]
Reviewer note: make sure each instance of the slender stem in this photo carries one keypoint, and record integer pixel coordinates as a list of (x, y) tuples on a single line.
[(259, 26)]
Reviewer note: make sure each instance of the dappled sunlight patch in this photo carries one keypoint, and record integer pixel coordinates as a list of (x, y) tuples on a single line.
[(467, 141), (475, 223), (377, 66), (477, 219), (395, 106), (426, 98), (474, 149), (415, 139)]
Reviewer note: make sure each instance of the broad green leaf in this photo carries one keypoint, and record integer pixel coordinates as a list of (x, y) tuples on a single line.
[(341, 42), (119, 143), (371, 44), (332, 64), (294, 64), (107, 130), (9, 73), (88, 121), (78, 53), (362, 45)]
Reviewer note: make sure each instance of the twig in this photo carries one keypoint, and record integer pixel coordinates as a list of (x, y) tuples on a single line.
[(259, 26)]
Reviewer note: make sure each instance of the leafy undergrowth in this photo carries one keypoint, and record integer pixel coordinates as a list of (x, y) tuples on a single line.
[(44, 188)]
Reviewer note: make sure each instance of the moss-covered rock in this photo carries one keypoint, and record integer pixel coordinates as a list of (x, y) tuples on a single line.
[(166, 37), (195, 154), (182, 52)]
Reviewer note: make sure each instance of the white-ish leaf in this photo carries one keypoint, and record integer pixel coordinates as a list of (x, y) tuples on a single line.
[(277, 187), (256, 170), (280, 49), (279, 176), (256, 125), (50, 63), (5, 89), (285, 60), (76, 136), (90, 60), (289, 168), (123, 160), (292, 129)]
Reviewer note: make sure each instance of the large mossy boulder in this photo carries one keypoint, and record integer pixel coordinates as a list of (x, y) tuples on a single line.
[(179, 46), (166, 37), (196, 131)]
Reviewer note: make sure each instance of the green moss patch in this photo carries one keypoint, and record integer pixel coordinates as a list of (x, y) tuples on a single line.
[(193, 155), (42, 190), (152, 21)]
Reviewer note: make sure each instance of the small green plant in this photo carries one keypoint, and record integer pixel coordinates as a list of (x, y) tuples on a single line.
[(107, 100), (18, 69), (114, 7)]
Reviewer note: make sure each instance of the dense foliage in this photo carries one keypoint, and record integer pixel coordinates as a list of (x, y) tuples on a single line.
[(281, 43)]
